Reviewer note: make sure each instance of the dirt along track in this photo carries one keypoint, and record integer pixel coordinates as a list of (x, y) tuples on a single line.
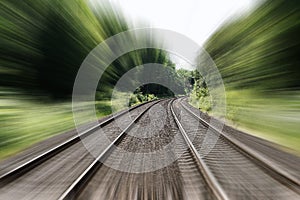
[(160, 156)]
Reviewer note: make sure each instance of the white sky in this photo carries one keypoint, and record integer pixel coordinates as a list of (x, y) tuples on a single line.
[(196, 19)]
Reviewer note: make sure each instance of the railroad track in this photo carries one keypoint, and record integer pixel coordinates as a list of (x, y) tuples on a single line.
[(31, 163), (239, 171), (166, 160), (183, 178), (23, 180)]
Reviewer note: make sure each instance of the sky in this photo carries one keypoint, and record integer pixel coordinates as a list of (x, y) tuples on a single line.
[(196, 19)]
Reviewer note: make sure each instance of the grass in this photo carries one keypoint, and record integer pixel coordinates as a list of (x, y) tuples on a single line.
[(273, 117), (25, 121)]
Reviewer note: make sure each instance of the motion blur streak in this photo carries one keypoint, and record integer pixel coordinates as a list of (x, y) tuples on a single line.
[(258, 57), (43, 44)]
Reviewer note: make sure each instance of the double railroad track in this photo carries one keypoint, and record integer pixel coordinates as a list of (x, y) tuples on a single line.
[(170, 153)]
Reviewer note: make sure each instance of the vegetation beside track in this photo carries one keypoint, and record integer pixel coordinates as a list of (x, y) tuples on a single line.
[(258, 57)]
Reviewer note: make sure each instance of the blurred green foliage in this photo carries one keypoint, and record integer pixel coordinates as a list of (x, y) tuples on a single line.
[(42, 45), (137, 58), (26, 121), (258, 57), (260, 50)]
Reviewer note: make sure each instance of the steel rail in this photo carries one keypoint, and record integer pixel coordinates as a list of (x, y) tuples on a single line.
[(261, 160), (210, 179), (29, 165), (78, 184)]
